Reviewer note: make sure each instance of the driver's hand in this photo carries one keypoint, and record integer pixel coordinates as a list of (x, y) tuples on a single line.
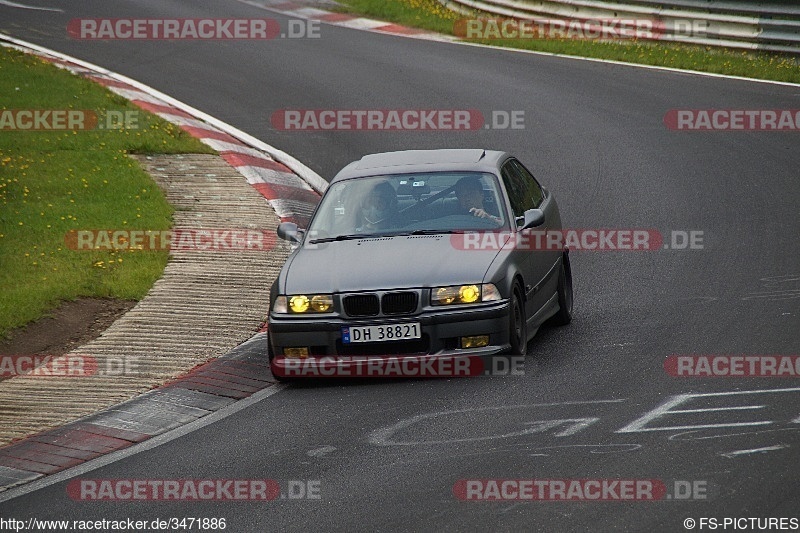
[(480, 213)]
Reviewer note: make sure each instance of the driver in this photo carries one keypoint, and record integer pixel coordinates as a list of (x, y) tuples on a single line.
[(379, 207), (469, 192)]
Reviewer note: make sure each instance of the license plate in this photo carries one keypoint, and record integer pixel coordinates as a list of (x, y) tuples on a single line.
[(388, 332)]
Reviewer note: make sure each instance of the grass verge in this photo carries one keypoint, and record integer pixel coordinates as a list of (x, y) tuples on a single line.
[(55, 181), (431, 15)]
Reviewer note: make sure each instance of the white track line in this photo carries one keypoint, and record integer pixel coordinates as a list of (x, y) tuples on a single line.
[(352, 23), (731, 455)]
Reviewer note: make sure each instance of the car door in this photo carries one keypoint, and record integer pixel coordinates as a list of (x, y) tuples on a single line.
[(541, 259)]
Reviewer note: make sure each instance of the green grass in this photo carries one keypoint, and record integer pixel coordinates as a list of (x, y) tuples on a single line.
[(52, 182), (430, 15)]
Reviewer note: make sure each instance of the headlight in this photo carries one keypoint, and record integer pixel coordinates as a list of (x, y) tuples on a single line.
[(299, 304), (322, 303), (464, 294)]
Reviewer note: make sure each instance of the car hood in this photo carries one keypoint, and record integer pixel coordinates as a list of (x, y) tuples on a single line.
[(383, 263)]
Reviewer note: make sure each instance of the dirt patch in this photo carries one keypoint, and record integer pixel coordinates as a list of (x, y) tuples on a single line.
[(66, 327)]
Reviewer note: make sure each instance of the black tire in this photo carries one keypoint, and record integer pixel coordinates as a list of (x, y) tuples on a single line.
[(565, 297), (517, 324)]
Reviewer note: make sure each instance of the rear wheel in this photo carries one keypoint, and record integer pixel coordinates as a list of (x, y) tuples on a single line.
[(564, 315), (517, 324)]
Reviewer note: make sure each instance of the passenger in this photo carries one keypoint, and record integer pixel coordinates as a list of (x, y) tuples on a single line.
[(379, 207)]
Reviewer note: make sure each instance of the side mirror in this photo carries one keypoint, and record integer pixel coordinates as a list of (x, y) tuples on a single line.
[(288, 231), (532, 218)]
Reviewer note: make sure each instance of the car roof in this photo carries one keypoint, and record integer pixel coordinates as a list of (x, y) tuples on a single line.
[(411, 161)]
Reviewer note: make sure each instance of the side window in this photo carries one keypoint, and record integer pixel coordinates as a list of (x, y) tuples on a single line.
[(532, 188), (517, 189)]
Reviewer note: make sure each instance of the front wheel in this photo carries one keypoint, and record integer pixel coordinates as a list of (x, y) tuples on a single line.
[(564, 315), (517, 324)]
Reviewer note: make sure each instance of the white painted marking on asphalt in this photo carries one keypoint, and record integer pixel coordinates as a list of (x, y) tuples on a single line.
[(320, 452), (640, 424), (35, 8), (788, 294), (712, 409), (382, 436), (579, 424), (149, 444), (618, 345), (511, 507), (595, 448), (702, 299), (731, 455), (684, 435)]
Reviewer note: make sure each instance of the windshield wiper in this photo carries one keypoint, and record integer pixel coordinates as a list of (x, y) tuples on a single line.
[(375, 235), (346, 237), (433, 232)]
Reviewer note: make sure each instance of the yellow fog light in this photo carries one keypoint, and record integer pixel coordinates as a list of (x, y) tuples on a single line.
[(298, 304), (321, 303), (469, 293), (477, 341), (296, 352)]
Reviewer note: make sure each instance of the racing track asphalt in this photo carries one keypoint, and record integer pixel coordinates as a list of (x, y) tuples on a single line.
[(594, 135)]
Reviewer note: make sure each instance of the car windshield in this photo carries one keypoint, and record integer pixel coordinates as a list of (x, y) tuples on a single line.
[(398, 204)]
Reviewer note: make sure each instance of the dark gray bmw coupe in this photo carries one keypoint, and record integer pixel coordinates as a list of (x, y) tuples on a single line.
[(421, 254)]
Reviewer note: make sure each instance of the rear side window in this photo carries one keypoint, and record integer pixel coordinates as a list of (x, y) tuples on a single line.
[(524, 192)]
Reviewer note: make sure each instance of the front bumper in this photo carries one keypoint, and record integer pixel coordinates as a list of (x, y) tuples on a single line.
[(449, 363), (441, 330)]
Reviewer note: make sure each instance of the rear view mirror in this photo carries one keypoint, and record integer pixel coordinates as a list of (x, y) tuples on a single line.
[(415, 188), (532, 218), (288, 231)]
